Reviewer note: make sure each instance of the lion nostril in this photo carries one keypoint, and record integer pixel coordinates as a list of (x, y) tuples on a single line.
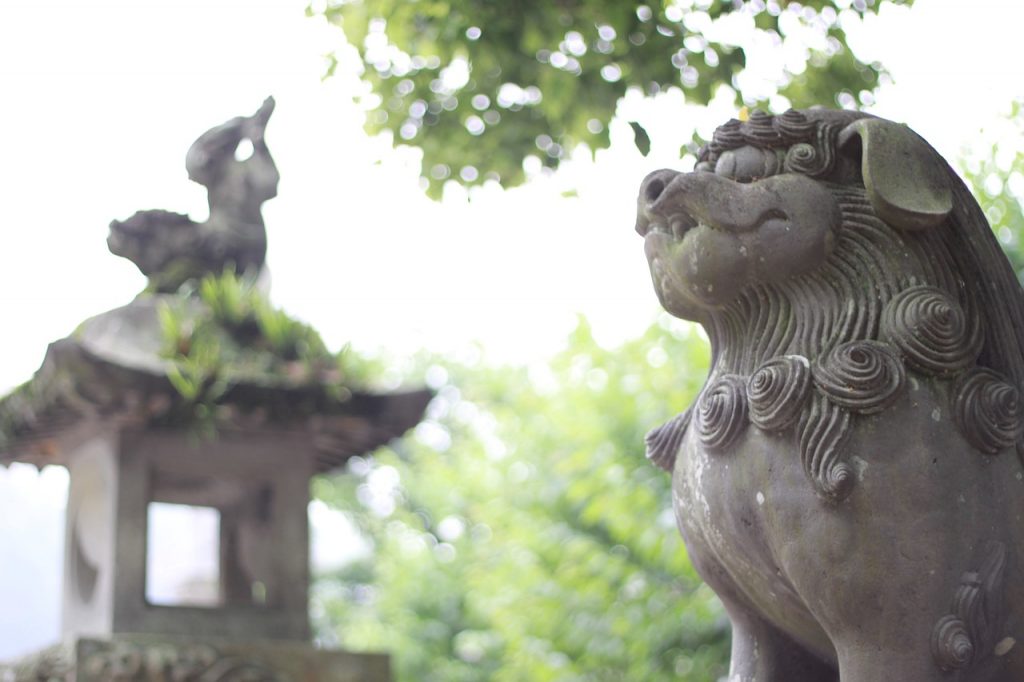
[(654, 186), (654, 189)]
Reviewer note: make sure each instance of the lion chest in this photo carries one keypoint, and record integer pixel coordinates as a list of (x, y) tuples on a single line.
[(735, 511), (922, 502)]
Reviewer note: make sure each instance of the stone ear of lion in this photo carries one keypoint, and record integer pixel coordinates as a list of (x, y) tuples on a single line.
[(903, 175)]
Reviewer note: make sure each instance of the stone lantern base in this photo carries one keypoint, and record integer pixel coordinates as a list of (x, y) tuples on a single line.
[(142, 658)]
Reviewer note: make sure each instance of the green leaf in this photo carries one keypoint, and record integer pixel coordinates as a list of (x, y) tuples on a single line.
[(640, 138), (548, 71)]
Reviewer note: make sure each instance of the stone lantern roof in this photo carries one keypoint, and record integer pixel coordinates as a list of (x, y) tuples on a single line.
[(114, 369)]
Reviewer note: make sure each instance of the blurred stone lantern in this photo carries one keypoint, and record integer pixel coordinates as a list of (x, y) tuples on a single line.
[(196, 399)]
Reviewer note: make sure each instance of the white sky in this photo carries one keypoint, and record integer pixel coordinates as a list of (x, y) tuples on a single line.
[(100, 99)]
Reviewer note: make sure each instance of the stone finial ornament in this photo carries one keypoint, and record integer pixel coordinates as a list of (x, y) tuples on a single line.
[(171, 248), (848, 481)]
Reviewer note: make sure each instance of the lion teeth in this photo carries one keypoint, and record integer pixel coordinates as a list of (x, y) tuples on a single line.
[(682, 225)]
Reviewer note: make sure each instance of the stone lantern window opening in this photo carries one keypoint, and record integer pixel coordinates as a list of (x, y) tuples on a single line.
[(206, 540), (183, 555)]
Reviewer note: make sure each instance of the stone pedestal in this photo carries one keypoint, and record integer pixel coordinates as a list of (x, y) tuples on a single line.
[(140, 658)]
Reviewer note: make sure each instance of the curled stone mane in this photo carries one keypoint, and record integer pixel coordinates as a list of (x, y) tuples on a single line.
[(809, 314), (871, 263), (856, 321)]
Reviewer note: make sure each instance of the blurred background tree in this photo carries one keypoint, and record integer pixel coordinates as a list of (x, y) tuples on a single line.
[(522, 536), (994, 170), (481, 87)]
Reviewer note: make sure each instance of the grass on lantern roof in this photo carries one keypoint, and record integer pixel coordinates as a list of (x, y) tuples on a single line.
[(226, 351), (238, 336)]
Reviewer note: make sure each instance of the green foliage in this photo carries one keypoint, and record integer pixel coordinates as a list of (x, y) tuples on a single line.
[(521, 535), (232, 299), (233, 333), (237, 305), (995, 173), (481, 86), (196, 353)]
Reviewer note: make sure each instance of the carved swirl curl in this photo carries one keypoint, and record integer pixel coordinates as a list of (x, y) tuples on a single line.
[(862, 376), (663, 442), (759, 131), (794, 127), (722, 412), (930, 330), (727, 136), (813, 158), (777, 392), (951, 644), (968, 634), (988, 410), (821, 434), (802, 158)]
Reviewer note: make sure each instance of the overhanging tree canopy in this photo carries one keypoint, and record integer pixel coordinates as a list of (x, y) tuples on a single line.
[(478, 86)]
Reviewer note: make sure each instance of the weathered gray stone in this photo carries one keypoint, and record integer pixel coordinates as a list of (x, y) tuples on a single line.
[(848, 480), (171, 248), (141, 417), (141, 658), (257, 480)]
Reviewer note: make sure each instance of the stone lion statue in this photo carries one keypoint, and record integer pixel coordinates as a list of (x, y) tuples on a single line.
[(849, 479)]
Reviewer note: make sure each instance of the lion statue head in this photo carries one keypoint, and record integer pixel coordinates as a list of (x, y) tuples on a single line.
[(829, 255)]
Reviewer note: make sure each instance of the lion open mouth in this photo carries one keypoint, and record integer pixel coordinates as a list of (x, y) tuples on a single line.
[(652, 218), (676, 226)]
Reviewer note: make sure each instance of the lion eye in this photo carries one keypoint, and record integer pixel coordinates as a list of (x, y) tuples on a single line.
[(747, 163)]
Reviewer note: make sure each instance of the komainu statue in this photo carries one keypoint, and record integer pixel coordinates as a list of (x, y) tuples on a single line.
[(849, 480), (171, 248)]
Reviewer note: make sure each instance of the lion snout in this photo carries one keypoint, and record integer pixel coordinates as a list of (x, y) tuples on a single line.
[(651, 190), (668, 197)]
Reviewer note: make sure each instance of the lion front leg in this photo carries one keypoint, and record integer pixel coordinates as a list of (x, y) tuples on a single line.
[(761, 653)]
